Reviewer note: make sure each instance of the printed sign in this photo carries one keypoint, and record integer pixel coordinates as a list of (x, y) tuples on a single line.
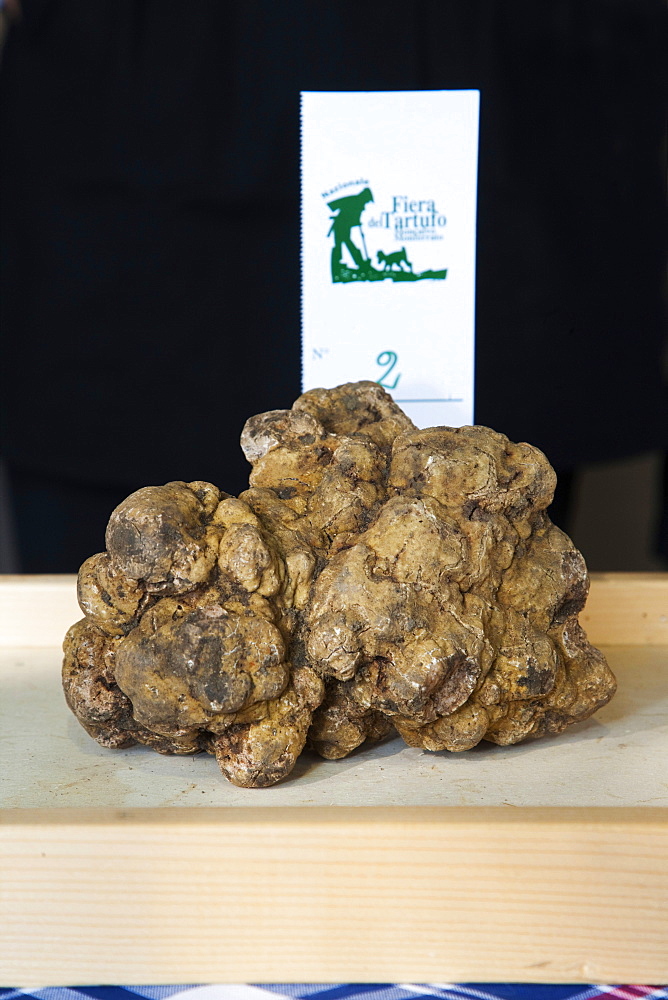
[(388, 246)]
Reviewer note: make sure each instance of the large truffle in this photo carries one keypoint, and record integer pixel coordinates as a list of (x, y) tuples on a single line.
[(374, 577)]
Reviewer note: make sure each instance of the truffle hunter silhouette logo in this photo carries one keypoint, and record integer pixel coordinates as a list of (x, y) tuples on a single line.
[(410, 220)]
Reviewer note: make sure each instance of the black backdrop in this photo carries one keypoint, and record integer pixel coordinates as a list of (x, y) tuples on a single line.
[(150, 223)]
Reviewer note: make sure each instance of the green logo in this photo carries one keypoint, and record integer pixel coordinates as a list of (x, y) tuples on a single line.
[(394, 266)]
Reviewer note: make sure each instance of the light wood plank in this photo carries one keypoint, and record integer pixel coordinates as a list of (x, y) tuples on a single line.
[(335, 895), (37, 610), (617, 757), (627, 608), (623, 608)]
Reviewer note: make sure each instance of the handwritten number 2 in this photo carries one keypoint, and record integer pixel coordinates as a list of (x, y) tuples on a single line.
[(388, 360)]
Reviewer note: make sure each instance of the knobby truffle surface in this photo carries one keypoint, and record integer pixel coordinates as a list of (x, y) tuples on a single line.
[(373, 578)]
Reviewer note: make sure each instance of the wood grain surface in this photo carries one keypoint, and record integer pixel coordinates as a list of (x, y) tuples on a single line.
[(333, 893), (623, 608), (318, 895)]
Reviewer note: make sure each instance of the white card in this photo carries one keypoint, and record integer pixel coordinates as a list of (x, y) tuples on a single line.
[(389, 184)]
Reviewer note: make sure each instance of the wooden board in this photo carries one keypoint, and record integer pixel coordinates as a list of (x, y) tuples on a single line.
[(546, 862), (617, 757), (345, 895), (623, 608)]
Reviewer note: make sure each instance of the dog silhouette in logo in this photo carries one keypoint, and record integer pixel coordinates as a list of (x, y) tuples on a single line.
[(390, 259)]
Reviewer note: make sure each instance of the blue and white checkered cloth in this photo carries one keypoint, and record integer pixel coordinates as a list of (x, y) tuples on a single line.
[(345, 991)]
